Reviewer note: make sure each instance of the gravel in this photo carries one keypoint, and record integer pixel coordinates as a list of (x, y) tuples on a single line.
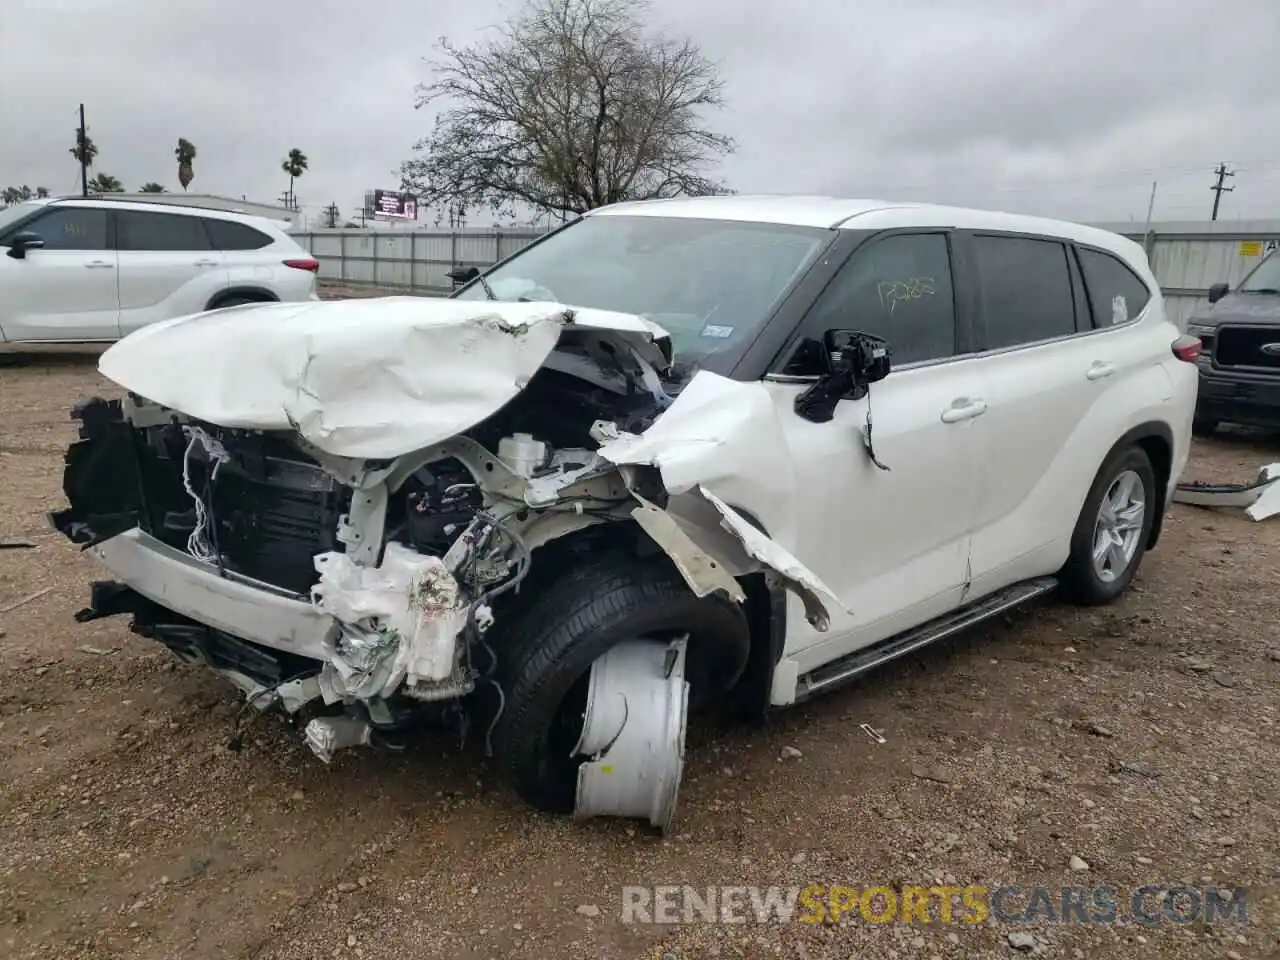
[(127, 828)]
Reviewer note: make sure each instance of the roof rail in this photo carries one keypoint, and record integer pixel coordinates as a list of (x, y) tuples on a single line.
[(241, 207)]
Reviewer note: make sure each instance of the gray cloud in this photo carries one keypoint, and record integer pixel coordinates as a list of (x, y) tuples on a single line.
[(1068, 109)]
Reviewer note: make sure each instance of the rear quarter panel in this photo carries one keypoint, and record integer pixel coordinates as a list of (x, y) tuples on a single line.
[(1050, 427)]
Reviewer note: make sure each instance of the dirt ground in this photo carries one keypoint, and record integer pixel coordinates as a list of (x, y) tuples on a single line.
[(1142, 738)]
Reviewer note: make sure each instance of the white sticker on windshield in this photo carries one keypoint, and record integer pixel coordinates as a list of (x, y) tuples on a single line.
[(1119, 309), (719, 333)]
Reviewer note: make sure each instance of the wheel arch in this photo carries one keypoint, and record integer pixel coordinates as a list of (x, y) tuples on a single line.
[(766, 610), (240, 292), (765, 602), (1155, 439)]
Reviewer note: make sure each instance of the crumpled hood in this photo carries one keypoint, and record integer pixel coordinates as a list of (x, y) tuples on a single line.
[(364, 378)]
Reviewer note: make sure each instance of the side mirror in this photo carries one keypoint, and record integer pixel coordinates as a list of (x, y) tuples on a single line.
[(461, 275), (856, 360), (865, 356), (20, 243), (1218, 291)]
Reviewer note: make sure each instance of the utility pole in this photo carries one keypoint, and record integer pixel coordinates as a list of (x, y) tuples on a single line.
[(1146, 227), (81, 138), (331, 212), (1218, 189)]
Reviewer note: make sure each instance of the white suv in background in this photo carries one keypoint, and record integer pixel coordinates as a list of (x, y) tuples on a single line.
[(94, 270)]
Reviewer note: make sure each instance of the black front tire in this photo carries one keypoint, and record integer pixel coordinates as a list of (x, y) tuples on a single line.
[(1080, 581), (545, 656)]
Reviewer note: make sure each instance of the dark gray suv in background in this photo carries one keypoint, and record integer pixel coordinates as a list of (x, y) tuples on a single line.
[(1240, 364)]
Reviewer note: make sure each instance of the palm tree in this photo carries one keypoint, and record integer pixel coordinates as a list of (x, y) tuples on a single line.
[(85, 151), (186, 153), (295, 165), (151, 188), (105, 183)]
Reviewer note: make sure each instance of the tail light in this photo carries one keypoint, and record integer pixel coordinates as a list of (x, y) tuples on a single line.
[(1187, 348), (306, 263)]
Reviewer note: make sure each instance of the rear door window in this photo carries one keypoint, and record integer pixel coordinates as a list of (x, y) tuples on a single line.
[(1116, 294), (1026, 290), (136, 231)]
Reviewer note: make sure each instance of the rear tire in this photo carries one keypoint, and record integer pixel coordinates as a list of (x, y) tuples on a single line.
[(1111, 534), (545, 657)]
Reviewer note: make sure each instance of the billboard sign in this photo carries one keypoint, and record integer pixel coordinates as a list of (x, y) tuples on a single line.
[(392, 205)]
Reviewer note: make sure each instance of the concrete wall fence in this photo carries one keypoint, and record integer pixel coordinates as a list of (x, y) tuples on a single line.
[(1187, 257)]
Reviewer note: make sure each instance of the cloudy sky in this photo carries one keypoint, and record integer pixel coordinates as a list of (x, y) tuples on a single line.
[(1070, 108)]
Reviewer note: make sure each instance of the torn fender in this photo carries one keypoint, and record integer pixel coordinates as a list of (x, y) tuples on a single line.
[(367, 378), (799, 579), (722, 434)]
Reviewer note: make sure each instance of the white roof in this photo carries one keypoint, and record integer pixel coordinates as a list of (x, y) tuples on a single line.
[(864, 214), (118, 201)]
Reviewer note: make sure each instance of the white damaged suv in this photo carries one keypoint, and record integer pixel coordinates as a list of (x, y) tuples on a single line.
[(672, 454)]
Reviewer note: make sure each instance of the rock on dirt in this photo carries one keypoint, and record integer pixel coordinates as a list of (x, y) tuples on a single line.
[(1020, 940)]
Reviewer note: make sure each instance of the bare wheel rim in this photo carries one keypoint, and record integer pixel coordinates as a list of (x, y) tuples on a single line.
[(1118, 528)]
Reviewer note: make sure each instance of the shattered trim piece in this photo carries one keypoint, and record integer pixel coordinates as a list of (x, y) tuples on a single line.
[(798, 577), (703, 575), (399, 621), (327, 735), (1260, 499)]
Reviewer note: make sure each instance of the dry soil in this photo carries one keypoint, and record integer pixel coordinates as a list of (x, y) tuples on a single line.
[(1140, 738)]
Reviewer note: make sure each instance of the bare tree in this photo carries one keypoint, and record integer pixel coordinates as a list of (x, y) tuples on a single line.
[(571, 106)]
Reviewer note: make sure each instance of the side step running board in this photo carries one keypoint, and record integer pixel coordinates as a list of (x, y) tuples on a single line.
[(832, 674)]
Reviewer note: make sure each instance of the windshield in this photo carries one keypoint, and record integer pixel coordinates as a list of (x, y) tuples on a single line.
[(17, 212), (710, 283), (1265, 277)]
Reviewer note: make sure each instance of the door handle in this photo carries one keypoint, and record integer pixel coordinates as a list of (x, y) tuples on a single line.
[(1100, 369), (99, 264), (964, 409), (206, 263)]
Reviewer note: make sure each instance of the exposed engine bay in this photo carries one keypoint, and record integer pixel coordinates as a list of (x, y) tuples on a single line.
[(357, 591)]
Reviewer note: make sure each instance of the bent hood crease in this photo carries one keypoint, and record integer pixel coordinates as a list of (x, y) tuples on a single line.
[(361, 378)]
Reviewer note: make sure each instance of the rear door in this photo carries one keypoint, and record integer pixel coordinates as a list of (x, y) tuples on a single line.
[(168, 267), (65, 291), (1054, 373)]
